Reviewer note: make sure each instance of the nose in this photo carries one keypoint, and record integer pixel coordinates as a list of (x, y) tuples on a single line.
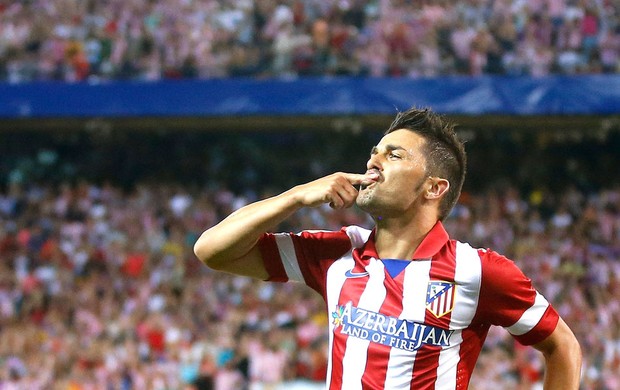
[(374, 162)]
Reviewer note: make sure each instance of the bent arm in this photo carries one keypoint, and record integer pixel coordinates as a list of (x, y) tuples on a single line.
[(562, 355), (231, 245)]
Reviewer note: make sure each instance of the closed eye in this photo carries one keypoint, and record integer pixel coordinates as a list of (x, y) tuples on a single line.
[(392, 152)]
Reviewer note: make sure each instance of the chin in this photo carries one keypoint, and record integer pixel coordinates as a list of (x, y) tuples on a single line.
[(367, 203)]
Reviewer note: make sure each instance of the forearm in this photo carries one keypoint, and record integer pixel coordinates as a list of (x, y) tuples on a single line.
[(231, 244), (237, 234), (561, 375), (563, 371)]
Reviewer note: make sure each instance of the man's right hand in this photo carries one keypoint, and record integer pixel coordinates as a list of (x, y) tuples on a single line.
[(338, 190)]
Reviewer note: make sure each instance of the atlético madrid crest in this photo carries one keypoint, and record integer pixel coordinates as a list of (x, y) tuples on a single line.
[(440, 297)]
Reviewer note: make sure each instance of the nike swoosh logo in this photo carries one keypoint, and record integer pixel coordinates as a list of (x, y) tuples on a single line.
[(350, 274)]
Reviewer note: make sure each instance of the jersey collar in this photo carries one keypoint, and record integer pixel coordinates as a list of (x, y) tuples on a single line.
[(432, 243)]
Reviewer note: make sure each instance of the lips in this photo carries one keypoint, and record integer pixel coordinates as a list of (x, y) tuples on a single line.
[(372, 177), (373, 174)]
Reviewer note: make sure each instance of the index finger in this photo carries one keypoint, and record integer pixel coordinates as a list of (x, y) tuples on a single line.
[(357, 178)]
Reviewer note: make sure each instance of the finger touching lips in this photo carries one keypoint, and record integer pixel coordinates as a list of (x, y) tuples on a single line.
[(371, 176)]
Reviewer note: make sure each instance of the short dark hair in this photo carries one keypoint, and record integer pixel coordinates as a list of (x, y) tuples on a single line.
[(444, 151)]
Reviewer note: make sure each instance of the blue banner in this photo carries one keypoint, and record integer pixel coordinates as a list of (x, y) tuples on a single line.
[(555, 95)]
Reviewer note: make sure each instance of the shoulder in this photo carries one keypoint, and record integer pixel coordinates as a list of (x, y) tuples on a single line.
[(477, 267), (319, 242), (355, 235), (489, 261), (498, 272), (331, 243), (486, 268), (499, 268)]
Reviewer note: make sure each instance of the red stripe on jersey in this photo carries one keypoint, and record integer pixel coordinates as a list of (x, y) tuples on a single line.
[(498, 306), (443, 266), (473, 339), (541, 331), (333, 246), (379, 354), (425, 368), (271, 258)]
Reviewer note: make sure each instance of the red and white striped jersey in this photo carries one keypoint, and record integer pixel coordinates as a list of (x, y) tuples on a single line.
[(408, 324)]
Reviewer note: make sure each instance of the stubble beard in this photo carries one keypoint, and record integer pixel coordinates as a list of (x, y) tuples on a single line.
[(367, 201)]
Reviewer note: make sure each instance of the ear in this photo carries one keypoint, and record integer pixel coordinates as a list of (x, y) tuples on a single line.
[(437, 188)]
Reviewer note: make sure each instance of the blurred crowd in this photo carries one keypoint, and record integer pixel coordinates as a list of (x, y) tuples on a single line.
[(99, 288), (93, 40)]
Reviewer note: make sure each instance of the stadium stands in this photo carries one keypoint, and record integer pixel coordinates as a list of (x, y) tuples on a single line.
[(99, 287), (73, 40)]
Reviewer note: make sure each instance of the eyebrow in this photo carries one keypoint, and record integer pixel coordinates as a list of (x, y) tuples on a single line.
[(388, 148)]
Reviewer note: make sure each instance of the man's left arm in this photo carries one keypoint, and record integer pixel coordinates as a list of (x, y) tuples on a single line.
[(562, 355), (508, 299)]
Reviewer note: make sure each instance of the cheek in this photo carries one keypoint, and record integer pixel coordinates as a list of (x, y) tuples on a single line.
[(419, 187), (411, 179)]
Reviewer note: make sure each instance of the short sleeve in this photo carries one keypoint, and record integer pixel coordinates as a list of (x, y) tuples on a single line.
[(508, 299), (303, 257)]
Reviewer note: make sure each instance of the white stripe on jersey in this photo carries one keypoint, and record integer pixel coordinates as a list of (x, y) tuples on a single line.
[(467, 278), (289, 259), (530, 318), (356, 353), (415, 283), (335, 280), (357, 235)]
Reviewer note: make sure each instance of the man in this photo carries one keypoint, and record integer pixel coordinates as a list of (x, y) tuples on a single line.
[(409, 308)]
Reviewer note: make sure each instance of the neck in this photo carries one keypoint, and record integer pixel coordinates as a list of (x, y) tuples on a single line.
[(398, 238)]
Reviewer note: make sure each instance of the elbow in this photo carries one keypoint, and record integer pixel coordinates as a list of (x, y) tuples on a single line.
[(571, 349), (199, 251), (572, 356), (204, 254), (564, 351)]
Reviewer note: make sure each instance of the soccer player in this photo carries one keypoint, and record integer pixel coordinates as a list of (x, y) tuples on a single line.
[(409, 307)]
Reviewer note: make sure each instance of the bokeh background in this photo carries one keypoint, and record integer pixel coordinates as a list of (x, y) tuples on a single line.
[(129, 127)]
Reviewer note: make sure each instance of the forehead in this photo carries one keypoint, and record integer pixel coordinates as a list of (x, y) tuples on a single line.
[(403, 138)]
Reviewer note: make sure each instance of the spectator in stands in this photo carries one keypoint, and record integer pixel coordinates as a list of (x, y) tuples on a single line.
[(609, 51)]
